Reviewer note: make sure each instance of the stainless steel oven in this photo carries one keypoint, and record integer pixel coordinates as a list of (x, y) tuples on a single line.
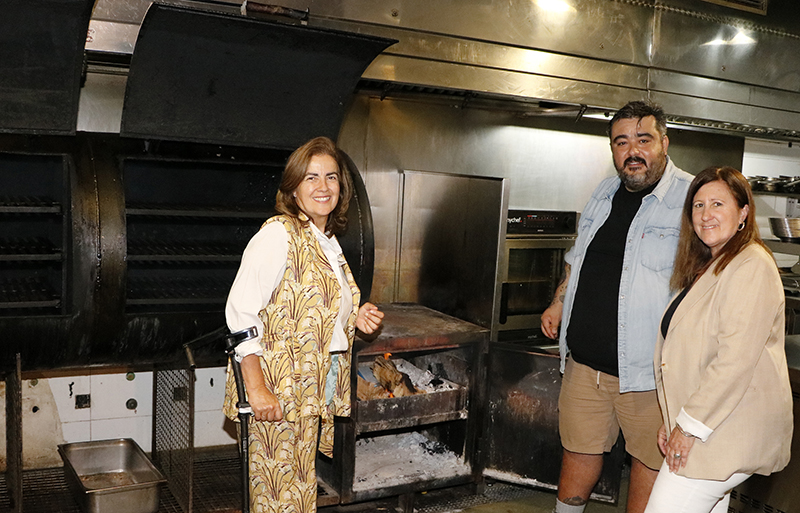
[(530, 270)]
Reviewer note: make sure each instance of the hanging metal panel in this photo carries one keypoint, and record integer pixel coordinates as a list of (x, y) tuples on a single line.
[(41, 58), (211, 77)]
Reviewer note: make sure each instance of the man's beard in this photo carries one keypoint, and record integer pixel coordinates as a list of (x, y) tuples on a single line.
[(639, 182)]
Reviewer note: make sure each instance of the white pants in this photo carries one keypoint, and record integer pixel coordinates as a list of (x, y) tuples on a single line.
[(677, 494)]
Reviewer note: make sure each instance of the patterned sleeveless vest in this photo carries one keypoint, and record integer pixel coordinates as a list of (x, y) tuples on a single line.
[(298, 329)]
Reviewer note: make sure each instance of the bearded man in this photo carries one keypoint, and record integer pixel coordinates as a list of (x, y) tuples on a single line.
[(609, 304)]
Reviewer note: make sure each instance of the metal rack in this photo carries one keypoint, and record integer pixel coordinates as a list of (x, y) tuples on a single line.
[(187, 225), (32, 256)]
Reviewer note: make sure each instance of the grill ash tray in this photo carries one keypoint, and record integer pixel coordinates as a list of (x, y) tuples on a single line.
[(111, 476), (441, 400)]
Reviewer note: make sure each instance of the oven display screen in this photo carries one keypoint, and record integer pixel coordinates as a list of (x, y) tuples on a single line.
[(521, 222)]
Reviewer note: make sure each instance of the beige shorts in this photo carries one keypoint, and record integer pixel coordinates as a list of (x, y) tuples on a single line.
[(591, 412)]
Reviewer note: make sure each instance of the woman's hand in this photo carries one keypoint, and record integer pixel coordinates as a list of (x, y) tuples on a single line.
[(677, 450), (369, 318), (662, 439), (265, 405)]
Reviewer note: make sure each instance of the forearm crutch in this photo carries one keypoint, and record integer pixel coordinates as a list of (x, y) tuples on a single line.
[(231, 341)]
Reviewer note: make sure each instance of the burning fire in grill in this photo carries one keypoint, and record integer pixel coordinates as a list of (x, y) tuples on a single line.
[(386, 378)]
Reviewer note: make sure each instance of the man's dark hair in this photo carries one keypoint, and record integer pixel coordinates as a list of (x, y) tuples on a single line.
[(639, 110)]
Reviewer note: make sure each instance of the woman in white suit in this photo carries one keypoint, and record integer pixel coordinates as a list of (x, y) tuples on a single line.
[(721, 373)]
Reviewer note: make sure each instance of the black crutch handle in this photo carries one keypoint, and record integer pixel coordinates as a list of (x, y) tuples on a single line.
[(234, 339)]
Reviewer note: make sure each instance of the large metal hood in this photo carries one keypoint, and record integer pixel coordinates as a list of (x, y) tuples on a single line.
[(205, 76), (711, 65), (41, 57)]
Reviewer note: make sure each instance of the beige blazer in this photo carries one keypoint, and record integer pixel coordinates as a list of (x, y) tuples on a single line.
[(724, 363)]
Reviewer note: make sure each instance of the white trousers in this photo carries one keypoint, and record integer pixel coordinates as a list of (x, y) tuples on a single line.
[(677, 494)]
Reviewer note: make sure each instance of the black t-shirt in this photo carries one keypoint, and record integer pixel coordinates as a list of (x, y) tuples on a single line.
[(592, 332)]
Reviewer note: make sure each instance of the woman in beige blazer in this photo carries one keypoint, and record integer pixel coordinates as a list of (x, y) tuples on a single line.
[(720, 365)]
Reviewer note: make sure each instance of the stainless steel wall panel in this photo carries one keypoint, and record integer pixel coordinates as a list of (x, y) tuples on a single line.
[(438, 47), (543, 167), (694, 44), (450, 240), (112, 37), (722, 91), (122, 11), (100, 106), (499, 82), (609, 30), (749, 119), (598, 53)]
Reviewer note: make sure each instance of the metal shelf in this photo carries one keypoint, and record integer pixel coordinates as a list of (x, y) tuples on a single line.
[(28, 205), (176, 291), (27, 293), (780, 194), (777, 246), (153, 251), (28, 249), (193, 211)]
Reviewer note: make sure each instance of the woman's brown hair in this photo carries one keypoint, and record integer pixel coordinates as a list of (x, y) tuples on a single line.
[(694, 257), (295, 173)]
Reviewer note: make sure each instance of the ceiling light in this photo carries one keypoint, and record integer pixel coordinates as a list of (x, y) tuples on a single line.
[(555, 5)]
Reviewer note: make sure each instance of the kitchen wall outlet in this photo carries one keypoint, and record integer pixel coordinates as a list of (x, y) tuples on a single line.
[(83, 401)]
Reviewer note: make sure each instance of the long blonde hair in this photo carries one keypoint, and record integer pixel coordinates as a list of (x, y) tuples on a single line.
[(693, 257)]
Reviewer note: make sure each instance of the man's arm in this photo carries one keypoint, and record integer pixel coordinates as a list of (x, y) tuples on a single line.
[(551, 318)]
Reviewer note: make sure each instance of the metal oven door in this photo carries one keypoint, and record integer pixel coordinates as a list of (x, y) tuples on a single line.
[(530, 271)]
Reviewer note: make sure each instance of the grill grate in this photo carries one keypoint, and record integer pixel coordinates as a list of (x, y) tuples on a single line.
[(27, 293), (156, 251), (26, 246), (143, 291)]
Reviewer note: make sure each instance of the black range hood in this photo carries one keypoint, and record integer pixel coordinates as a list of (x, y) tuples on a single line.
[(41, 60), (211, 77)]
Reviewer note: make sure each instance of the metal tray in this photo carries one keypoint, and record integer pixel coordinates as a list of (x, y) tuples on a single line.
[(111, 476)]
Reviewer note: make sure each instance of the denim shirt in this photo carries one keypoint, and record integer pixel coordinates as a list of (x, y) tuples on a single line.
[(646, 269)]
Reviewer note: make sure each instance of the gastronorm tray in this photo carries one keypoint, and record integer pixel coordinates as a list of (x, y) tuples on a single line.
[(111, 476)]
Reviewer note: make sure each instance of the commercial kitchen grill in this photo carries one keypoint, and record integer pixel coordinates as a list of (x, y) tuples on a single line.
[(119, 247)]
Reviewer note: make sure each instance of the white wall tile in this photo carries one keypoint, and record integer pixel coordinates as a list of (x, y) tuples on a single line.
[(138, 428), (76, 431), (209, 389), (64, 391), (213, 428), (110, 393)]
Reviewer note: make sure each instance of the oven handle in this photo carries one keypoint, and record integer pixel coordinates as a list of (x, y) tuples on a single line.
[(503, 303)]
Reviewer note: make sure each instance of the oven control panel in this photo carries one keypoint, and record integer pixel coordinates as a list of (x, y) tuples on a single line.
[(540, 222)]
